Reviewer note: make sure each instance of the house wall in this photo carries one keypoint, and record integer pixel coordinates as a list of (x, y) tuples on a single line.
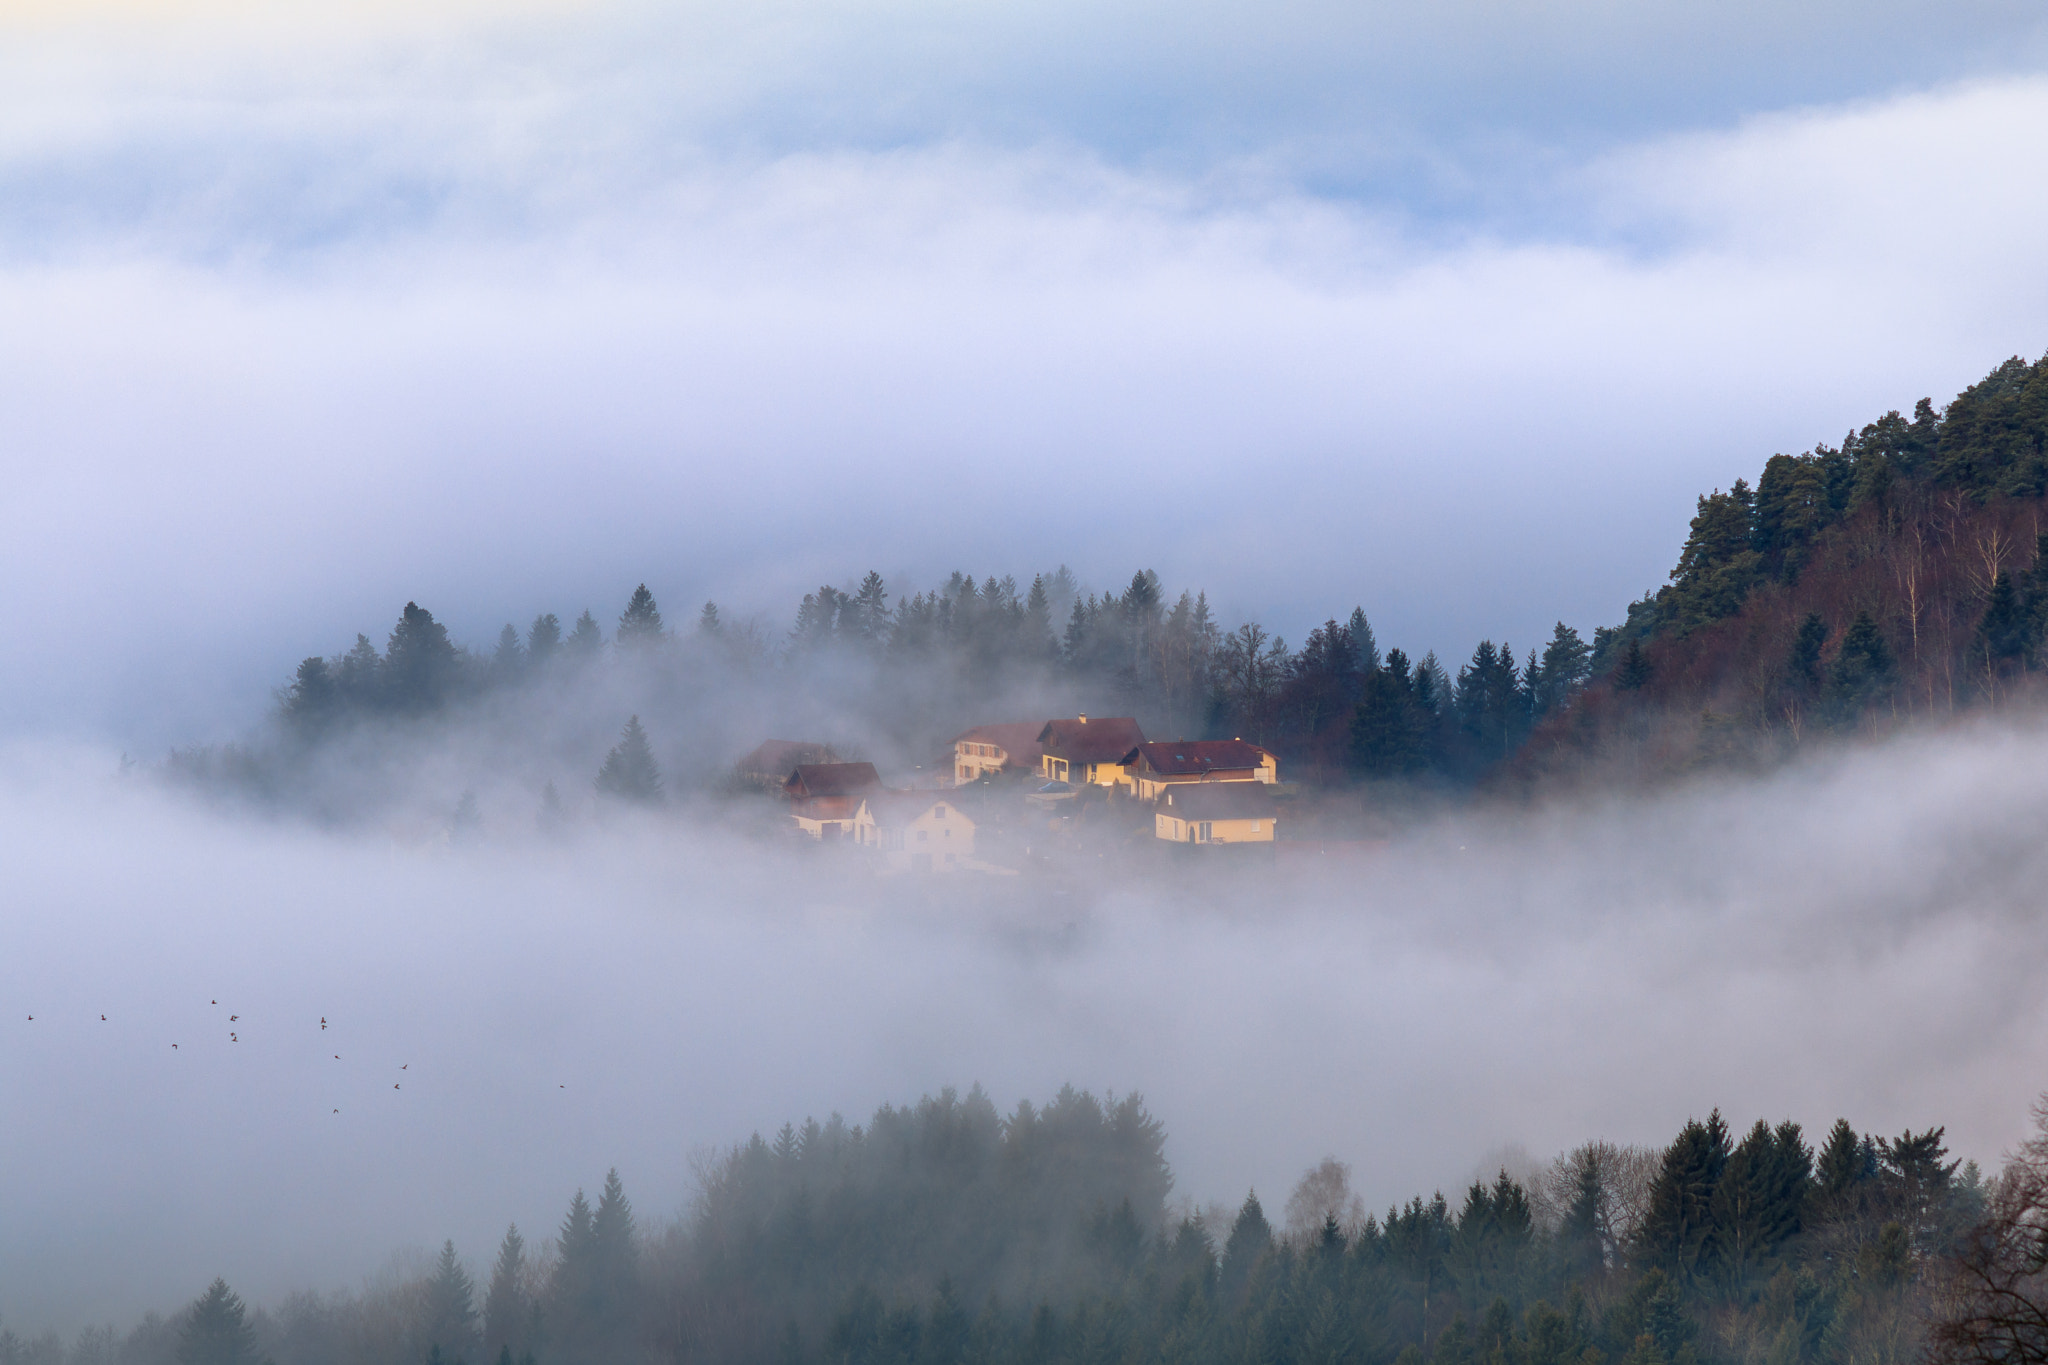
[(1179, 831), (972, 758)]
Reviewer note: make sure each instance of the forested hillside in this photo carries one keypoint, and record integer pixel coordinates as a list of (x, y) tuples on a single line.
[(1897, 577), (943, 1233), (1900, 576)]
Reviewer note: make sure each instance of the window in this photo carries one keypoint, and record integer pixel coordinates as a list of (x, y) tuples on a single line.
[(1202, 833), (1255, 827), (922, 835)]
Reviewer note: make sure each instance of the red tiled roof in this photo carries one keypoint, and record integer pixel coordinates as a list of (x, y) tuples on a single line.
[(825, 807), (831, 779), (1019, 740), (1103, 740), (1221, 801), (1197, 757)]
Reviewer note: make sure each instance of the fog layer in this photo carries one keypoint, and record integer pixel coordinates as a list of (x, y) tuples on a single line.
[(1859, 937)]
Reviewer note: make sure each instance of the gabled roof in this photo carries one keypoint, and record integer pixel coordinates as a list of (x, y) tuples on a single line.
[(1220, 801), (900, 808), (779, 756), (831, 779), (825, 807), (1197, 757), (1017, 739), (1081, 740)]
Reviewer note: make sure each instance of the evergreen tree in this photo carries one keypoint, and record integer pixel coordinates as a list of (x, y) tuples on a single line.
[(707, 620), (313, 701), (614, 1255), (1386, 728), (216, 1330), (1863, 667), (543, 641), (420, 663), (629, 772), (2002, 630), (1567, 663), (1582, 1234), (585, 640), (1365, 649), (448, 1313), (506, 1310), (1251, 1239), (1678, 1226), (1803, 664), (1038, 637), (508, 661), (1634, 669), (360, 679), (640, 622), (865, 618)]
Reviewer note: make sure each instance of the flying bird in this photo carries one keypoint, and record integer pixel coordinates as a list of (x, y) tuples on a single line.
[(337, 1111), (403, 1067), (103, 1018), (232, 1018), (174, 1047), (394, 1085)]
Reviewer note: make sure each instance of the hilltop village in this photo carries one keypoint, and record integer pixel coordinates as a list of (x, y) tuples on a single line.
[(1010, 795)]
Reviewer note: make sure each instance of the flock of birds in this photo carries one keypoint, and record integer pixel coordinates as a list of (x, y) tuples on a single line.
[(234, 1037)]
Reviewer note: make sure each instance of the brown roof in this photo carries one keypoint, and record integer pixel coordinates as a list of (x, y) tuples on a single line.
[(779, 756), (1103, 740), (831, 779), (1018, 739), (896, 808), (825, 807), (1221, 801), (1197, 757)]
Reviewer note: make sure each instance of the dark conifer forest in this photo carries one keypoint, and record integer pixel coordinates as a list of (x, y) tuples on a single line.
[(946, 1233)]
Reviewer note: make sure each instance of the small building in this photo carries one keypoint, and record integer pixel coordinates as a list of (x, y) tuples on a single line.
[(915, 831), (1084, 751), (1155, 767), (1217, 813), (769, 765), (824, 798), (1002, 748)]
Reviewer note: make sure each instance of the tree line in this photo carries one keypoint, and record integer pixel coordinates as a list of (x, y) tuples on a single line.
[(945, 1233)]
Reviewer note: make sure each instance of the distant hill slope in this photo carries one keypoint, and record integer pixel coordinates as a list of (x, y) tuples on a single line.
[(1901, 576)]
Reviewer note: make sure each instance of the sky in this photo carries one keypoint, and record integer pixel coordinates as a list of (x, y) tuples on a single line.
[(1446, 310)]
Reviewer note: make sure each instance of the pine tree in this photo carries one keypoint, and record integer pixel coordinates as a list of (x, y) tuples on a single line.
[(1365, 650), (585, 640), (1582, 1234), (615, 1263), (448, 1313), (420, 663), (313, 701), (2002, 630), (1802, 665), (1567, 662), (217, 1330), (1251, 1238), (1863, 667), (629, 772), (1634, 669), (508, 661), (1678, 1227), (506, 1310), (1386, 728), (707, 620), (640, 622), (543, 641), (360, 679)]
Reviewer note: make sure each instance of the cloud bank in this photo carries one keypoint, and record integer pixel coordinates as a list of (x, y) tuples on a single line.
[(1860, 937)]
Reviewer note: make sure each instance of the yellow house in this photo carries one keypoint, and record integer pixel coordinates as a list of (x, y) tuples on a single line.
[(994, 749), (1217, 813), (1156, 768), (1082, 751), (915, 831)]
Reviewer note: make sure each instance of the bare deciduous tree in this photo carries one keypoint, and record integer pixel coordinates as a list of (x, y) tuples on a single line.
[(1994, 1305)]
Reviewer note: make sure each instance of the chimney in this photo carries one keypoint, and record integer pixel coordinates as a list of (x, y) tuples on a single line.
[(1084, 717)]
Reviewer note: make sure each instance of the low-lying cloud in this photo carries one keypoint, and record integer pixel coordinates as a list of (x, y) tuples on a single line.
[(1860, 936)]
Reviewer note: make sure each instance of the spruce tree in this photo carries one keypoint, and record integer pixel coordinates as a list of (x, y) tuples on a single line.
[(1251, 1238), (2002, 630), (585, 640), (615, 1266), (629, 772), (1863, 667), (707, 620), (1802, 665), (640, 622), (1678, 1227), (506, 1310), (1365, 649), (508, 661), (1582, 1233), (313, 701), (447, 1310), (543, 641), (1634, 669), (420, 663), (216, 1330)]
